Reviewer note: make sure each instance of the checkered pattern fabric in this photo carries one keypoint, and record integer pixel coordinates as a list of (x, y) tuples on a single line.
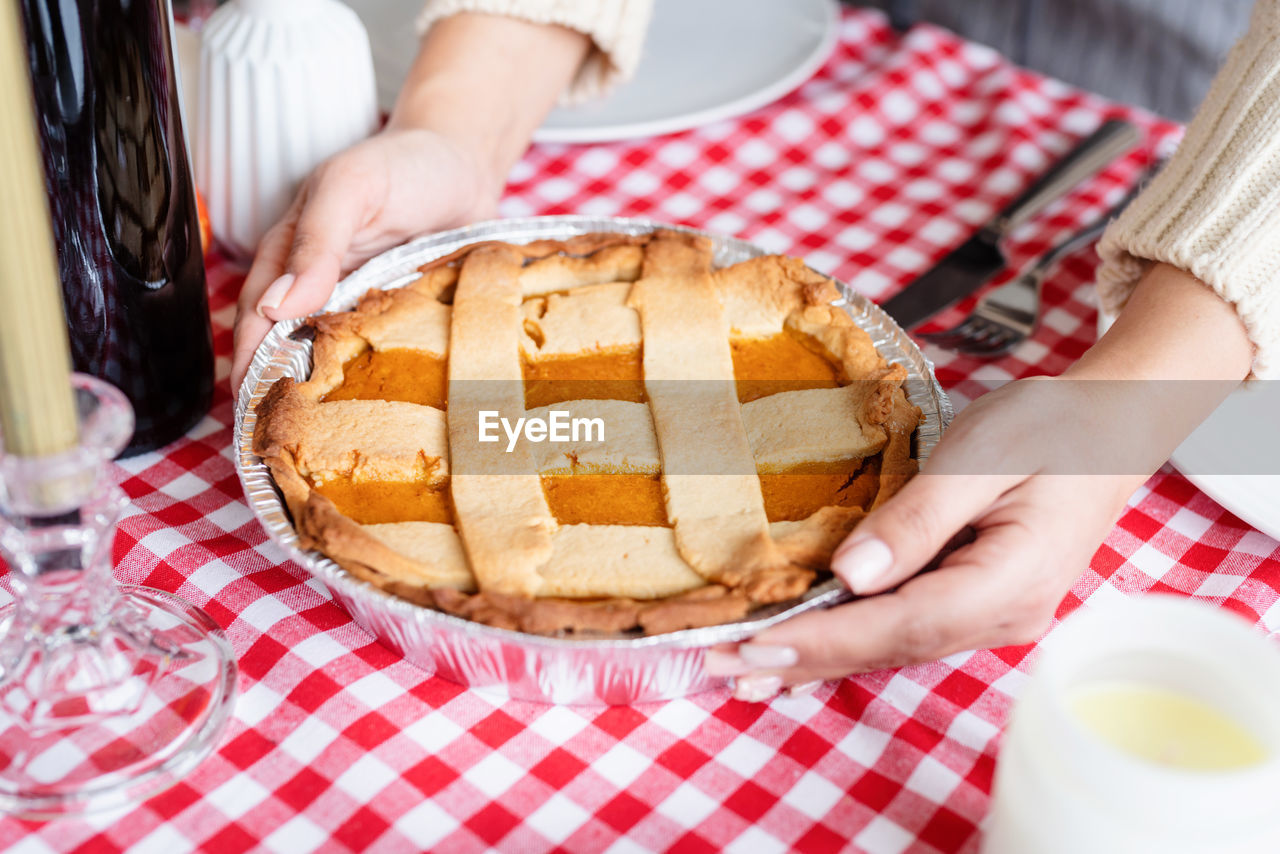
[(890, 156)]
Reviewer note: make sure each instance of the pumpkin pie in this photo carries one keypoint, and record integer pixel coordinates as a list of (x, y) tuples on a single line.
[(603, 434)]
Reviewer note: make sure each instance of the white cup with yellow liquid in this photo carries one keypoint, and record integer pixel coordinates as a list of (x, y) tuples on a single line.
[(1151, 724)]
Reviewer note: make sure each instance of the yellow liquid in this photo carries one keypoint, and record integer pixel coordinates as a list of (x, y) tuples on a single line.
[(1166, 728)]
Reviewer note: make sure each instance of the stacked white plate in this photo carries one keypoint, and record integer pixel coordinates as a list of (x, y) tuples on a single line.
[(704, 61)]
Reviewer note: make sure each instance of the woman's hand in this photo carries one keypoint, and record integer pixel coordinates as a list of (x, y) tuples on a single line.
[(1034, 528), (1030, 478), (479, 87), (374, 195)]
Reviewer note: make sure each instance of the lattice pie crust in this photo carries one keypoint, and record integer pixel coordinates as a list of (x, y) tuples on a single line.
[(731, 468)]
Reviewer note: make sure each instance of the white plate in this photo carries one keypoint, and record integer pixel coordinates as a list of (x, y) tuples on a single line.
[(704, 61), (1234, 456)]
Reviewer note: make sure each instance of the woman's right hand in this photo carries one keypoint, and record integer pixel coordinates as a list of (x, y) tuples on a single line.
[(374, 195), (479, 87)]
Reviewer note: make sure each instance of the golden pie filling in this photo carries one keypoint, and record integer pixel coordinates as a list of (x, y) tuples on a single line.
[(609, 375), (799, 492), (762, 366), (786, 362), (595, 536), (379, 502), (615, 498), (636, 499), (606, 499), (406, 375)]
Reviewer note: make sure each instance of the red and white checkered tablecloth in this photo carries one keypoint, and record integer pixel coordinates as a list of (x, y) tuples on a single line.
[(890, 156)]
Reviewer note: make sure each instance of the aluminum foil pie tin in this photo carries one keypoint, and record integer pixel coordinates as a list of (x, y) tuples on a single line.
[(596, 671)]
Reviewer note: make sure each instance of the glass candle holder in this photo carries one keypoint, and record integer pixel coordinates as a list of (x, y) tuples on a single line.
[(108, 693), (1151, 724)]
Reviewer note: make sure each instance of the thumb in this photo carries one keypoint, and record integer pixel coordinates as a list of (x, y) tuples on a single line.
[(250, 329), (908, 530), (326, 225)]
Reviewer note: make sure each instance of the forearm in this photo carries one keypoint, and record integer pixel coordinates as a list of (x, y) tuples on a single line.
[(488, 81), (1169, 360), (1173, 328)]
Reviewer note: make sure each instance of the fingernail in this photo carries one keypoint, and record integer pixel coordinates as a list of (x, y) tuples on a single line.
[(717, 663), (757, 689), (275, 294), (767, 656), (804, 689), (862, 564)]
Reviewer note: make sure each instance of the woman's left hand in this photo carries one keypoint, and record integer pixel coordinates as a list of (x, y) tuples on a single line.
[(1035, 530)]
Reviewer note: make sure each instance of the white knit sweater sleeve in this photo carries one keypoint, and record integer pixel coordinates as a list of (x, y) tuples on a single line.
[(616, 28), (1214, 210)]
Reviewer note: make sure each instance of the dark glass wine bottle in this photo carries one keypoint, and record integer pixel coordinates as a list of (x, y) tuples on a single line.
[(123, 206)]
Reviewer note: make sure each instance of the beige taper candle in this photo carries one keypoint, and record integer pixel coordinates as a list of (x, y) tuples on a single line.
[(37, 410)]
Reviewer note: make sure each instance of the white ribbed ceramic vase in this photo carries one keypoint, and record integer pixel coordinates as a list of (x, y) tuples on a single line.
[(284, 84)]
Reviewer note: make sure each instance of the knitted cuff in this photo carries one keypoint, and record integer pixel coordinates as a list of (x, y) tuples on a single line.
[(616, 28), (1214, 210)]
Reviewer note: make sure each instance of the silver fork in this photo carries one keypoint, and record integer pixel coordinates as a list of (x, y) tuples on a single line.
[(1007, 316)]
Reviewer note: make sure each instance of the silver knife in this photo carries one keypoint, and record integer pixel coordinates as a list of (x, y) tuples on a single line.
[(979, 258)]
